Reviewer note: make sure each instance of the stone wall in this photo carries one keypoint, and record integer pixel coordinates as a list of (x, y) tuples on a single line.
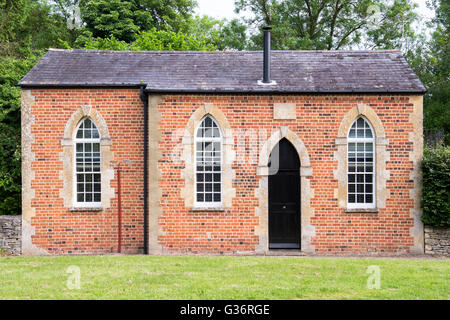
[(10, 234), (437, 241)]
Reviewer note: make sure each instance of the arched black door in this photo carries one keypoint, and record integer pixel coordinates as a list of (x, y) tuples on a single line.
[(284, 197)]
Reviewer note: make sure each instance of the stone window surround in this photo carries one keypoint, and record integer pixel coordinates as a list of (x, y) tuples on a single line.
[(188, 156), (306, 192), (381, 174), (67, 156)]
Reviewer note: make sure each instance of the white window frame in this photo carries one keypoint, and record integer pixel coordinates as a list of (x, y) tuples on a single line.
[(92, 204), (357, 140), (212, 204)]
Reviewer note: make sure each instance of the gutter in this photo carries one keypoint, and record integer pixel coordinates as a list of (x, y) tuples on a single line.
[(144, 98), (77, 85), (278, 91), (214, 91)]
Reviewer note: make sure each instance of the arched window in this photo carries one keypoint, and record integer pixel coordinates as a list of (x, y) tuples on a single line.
[(87, 168), (361, 165), (208, 157)]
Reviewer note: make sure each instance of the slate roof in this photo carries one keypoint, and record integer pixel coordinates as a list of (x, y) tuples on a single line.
[(229, 71)]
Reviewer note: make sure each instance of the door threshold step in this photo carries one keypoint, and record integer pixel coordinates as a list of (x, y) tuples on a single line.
[(285, 252)]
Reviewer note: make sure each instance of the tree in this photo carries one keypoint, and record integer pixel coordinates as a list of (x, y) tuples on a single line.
[(329, 25), (163, 14), (25, 27), (431, 62), (169, 40), (11, 71), (106, 18), (125, 18), (440, 45), (12, 17), (154, 40), (437, 101), (44, 27), (223, 34)]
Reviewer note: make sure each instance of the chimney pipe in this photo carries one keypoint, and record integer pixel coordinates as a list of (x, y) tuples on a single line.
[(266, 71), (266, 77)]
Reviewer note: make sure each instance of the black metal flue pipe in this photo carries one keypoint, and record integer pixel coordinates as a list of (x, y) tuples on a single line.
[(266, 74)]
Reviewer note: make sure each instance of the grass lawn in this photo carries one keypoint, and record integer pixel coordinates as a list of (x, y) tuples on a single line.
[(146, 277)]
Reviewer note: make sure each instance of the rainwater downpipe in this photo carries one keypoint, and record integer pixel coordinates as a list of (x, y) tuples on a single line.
[(144, 98)]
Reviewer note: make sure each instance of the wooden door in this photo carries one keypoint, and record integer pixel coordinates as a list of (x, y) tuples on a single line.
[(284, 197)]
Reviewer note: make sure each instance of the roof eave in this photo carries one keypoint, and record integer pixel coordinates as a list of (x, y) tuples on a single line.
[(71, 85), (278, 91), (215, 91)]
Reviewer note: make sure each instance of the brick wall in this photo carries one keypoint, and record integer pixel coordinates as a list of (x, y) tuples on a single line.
[(318, 120), (57, 230)]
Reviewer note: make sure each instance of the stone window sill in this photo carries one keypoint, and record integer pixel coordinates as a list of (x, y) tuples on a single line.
[(217, 209), (366, 210), (86, 209)]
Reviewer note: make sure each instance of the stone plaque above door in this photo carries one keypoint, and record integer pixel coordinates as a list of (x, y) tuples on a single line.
[(284, 111)]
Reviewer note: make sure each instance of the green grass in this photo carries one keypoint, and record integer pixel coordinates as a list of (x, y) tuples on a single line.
[(147, 277)]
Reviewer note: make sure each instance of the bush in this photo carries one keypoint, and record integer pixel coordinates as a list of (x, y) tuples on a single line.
[(436, 186)]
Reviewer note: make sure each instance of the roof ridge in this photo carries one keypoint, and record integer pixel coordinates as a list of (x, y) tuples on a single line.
[(221, 51)]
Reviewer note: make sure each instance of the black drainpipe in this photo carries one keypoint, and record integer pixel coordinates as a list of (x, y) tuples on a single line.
[(266, 74), (144, 98)]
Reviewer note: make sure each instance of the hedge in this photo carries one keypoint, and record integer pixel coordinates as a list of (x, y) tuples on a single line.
[(436, 186)]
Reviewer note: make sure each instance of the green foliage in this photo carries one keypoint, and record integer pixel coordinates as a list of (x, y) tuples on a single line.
[(436, 186), (395, 29), (329, 25), (110, 43), (11, 71), (223, 34), (440, 44), (431, 62), (232, 36), (153, 40), (44, 27), (125, 18), (110, 17), (163, 14), (169, 40), (12, 17), (10, 184), (436, 113)]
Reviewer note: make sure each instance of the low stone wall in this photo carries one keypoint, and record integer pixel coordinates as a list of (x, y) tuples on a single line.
[(437, 241), (10, 234)]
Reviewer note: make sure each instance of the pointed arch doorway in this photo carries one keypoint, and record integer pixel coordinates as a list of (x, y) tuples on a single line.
[(284, 197)]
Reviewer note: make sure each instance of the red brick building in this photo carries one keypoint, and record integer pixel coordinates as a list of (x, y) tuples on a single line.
[(319, 154)]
